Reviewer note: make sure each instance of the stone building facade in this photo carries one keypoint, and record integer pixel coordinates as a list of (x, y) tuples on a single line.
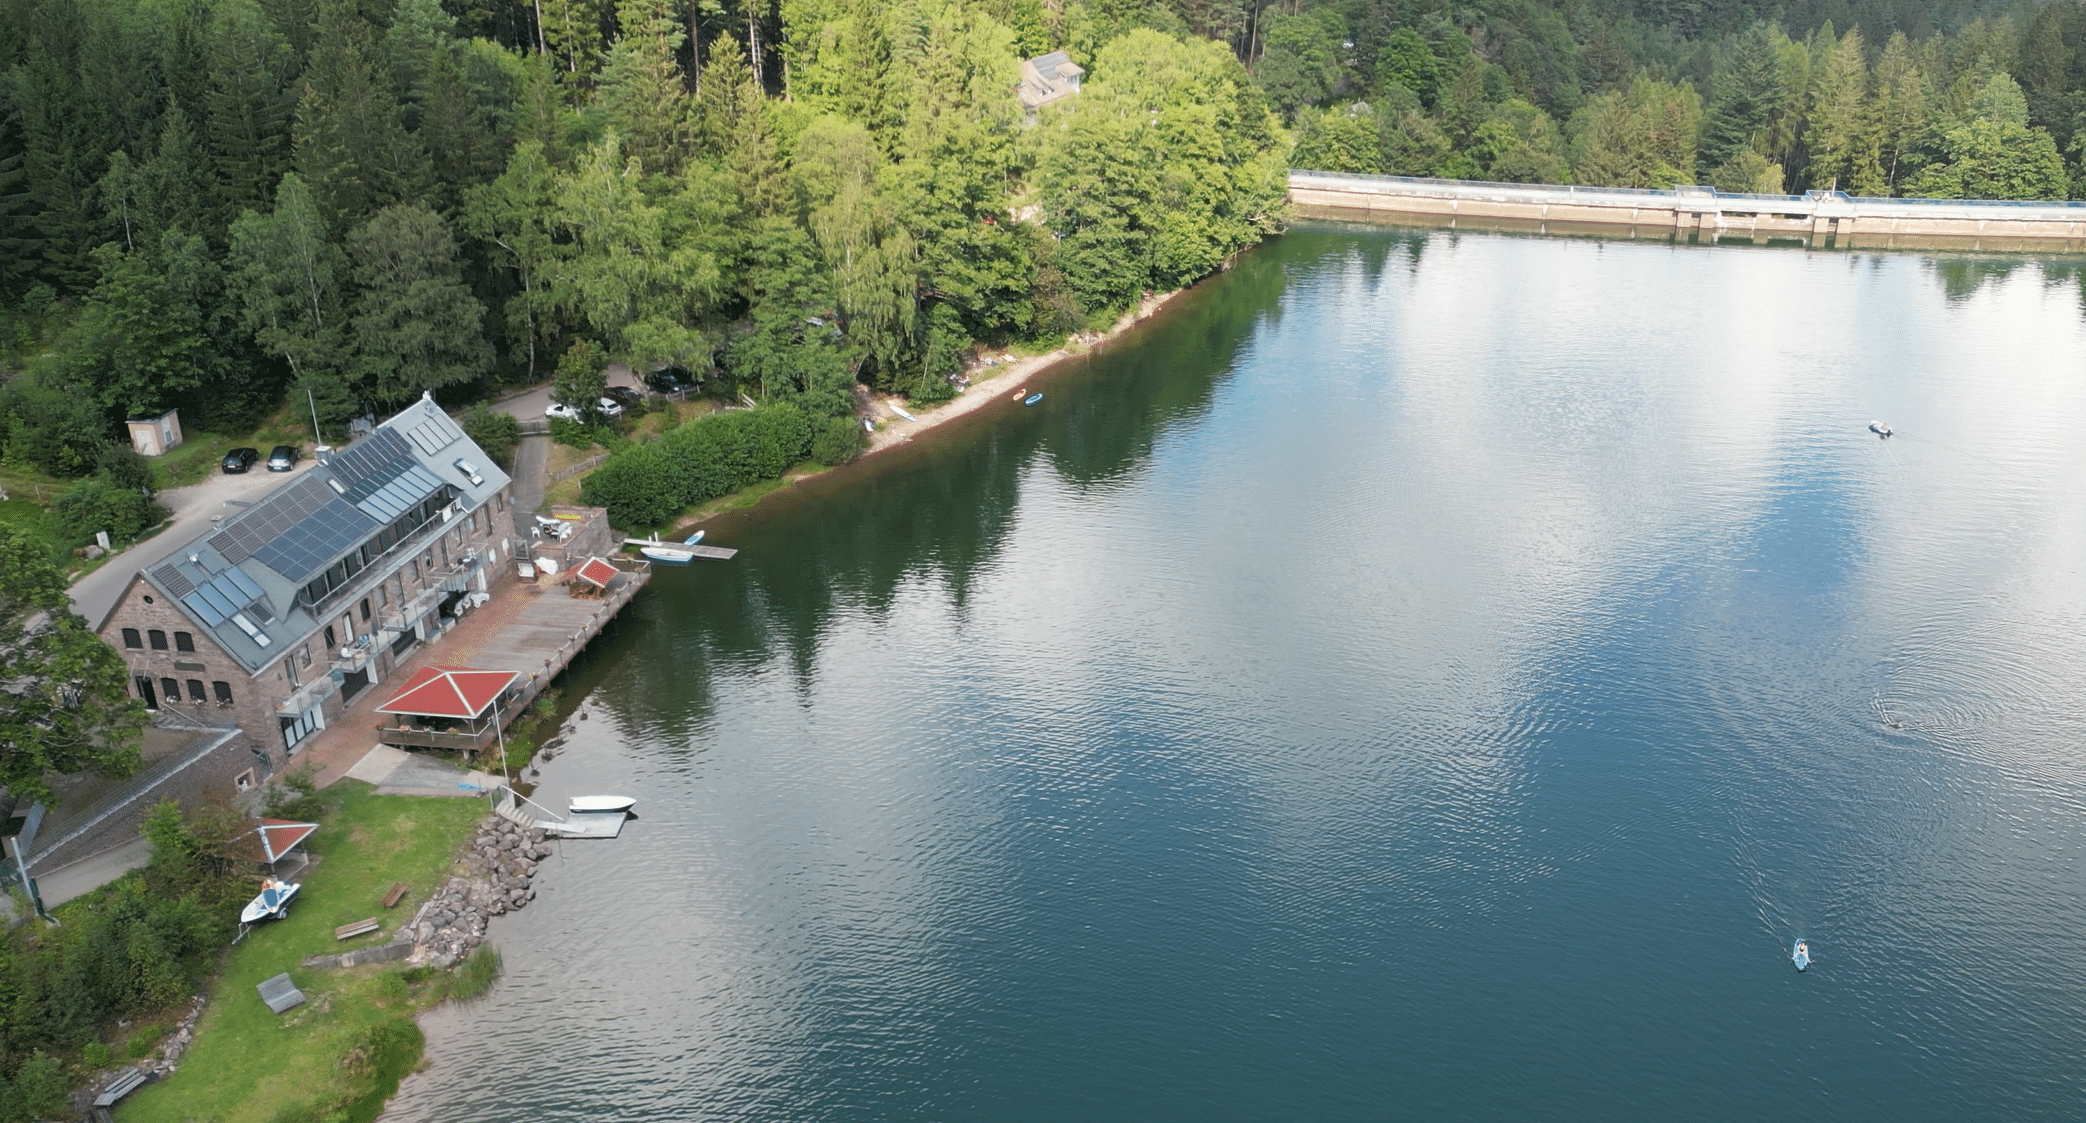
[(275, 618)]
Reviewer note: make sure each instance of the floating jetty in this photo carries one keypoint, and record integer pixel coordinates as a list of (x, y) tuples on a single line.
[(509, 805), (713, 553)]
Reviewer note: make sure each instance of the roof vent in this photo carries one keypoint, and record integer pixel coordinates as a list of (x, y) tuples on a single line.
[(195, 559), (323, 454)]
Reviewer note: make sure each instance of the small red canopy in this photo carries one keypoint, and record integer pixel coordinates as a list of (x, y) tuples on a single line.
[(459, 692), (597, 572), (280, 836)]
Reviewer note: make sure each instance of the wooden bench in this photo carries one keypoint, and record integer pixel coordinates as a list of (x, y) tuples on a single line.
[(359, 928), (397, 894)]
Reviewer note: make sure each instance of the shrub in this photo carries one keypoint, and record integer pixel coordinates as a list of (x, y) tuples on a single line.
[(95, 1055), (839, 442), (495, 432), (296, 797), (100, 503), (646, 485)]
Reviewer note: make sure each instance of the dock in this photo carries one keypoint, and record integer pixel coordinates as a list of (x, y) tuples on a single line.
[(713, 553), (515, 809)]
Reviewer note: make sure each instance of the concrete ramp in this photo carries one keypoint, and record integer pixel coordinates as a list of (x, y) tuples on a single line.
[(397, 772)]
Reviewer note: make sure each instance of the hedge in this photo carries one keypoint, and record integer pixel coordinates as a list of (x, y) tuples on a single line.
[(645, 486)]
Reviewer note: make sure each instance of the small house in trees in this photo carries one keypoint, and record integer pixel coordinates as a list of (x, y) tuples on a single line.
[(1048, 78), (154, 436)]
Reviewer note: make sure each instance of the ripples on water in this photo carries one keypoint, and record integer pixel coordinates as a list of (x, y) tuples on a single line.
[(1423, 676)]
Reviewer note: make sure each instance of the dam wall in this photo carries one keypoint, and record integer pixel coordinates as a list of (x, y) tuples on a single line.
[(1697, 214)]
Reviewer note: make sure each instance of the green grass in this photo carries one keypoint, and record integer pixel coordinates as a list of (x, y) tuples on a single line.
[(32, 520), (334, 1053), (200, 450)]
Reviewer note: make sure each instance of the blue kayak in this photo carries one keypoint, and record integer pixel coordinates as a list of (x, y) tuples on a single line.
[(1033, 399), (1801, 955)]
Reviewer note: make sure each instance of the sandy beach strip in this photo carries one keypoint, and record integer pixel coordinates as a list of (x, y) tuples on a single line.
[(995, 384)]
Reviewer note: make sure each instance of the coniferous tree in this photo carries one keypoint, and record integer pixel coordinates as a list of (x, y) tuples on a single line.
[(640, 88), (247, 103), (1747, 94), (351, 144), (416, 327)]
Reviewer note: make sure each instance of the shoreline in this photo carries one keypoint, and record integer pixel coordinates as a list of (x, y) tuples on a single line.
[(895, 431)]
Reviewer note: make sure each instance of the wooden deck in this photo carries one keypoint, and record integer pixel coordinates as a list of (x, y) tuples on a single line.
[(535, 630)]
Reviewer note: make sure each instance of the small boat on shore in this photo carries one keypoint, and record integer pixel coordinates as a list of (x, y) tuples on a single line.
[(272, 904), (1033, 399), (1020, 394), (1801, 955), (900, 411), (600, 804)]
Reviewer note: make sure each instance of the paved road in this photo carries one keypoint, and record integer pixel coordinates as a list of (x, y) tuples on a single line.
[(219, 494), (531, 403)]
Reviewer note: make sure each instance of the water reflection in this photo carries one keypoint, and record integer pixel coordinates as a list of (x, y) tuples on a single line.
[(1435, 673)]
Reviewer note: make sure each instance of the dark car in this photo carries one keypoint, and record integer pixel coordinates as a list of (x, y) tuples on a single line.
[(282, 458), (670, 380), (240, 459), (623, 396)]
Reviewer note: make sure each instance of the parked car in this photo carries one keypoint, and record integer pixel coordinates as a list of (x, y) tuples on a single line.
[(623, 395), (606, 407), (669, 380), (282, 458), (239, 459)]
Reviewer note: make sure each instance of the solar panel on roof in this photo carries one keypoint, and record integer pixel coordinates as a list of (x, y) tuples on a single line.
[(173, 581), (216, 599), (242, 582), (204, 609), (304, 550)]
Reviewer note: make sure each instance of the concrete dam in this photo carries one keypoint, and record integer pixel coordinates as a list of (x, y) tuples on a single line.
[(1697, 214)]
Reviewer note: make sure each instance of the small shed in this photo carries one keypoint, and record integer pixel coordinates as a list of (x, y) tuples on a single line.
[(154, 436), (282, 840)]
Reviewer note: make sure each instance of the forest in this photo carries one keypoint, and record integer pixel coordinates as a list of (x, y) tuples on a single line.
[(219, 204)]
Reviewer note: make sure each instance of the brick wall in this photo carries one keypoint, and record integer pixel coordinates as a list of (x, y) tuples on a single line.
[(256, 696)]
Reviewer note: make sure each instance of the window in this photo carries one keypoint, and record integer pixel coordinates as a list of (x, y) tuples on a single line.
[(245, 780), (415, 566), (223, 691), (306, 661), (365, 610), (383, 596), (170, 690), (289, 668), (158, 638), (184, 642), (195, 691), (131, 638), (145, 692)]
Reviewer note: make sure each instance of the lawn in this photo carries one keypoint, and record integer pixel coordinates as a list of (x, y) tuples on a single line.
[(251, 1066), (200, 451)]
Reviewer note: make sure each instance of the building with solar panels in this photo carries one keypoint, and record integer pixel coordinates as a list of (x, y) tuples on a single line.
[(280, 615)]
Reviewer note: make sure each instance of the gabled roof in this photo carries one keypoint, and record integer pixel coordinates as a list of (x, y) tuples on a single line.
[(239, 580), (458, 692), (278, 836)]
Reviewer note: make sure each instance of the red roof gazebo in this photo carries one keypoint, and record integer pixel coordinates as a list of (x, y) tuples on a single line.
[(452, 707), (279, 837)]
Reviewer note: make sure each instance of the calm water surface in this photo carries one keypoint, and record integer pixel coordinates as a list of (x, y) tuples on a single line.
[(1420, 677)]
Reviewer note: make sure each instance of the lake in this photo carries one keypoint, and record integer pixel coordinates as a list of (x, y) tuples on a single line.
[(1419, 675)]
